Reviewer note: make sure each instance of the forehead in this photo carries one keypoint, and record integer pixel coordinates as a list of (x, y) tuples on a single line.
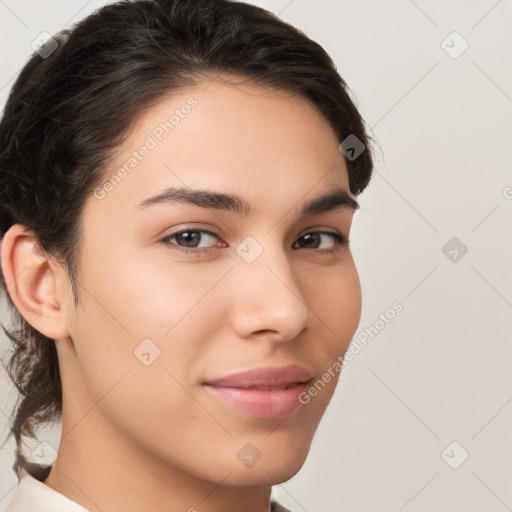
[(262, 144)]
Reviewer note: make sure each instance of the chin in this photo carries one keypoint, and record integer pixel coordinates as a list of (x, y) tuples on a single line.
[(268, 471)]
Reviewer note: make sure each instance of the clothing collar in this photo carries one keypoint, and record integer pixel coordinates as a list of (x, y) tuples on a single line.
[(31, 494)]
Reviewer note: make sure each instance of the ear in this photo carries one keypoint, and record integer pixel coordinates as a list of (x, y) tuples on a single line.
[(34, 283)]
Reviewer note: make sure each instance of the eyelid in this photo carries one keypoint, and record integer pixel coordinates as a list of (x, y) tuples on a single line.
[(209, 229)]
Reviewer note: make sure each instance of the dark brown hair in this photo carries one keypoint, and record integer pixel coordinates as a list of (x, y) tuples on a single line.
[(68, 111)]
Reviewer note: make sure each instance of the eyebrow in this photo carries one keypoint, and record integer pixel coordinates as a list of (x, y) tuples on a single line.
[(333, 199)]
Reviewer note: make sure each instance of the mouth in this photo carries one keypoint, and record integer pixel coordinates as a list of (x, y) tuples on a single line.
[(274, 388), (264, 393), (262, 403)]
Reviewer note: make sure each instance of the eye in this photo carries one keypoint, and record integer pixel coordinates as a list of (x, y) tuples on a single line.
[(313, 240), (190, 238), (196, 240)]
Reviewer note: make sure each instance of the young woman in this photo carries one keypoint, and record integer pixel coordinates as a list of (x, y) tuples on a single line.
[(177, 185)]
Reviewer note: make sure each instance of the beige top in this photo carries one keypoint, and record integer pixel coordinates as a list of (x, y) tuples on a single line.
[(31, 495)]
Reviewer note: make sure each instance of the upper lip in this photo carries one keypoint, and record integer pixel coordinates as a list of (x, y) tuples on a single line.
[(270, 376)]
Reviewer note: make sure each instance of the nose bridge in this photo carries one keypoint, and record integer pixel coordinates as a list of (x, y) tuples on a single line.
[(268, 296)]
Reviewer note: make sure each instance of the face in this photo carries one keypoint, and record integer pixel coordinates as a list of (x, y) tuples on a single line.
[(174, 294)]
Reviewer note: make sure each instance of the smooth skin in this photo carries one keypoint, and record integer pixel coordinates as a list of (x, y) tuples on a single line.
[(150, 437)]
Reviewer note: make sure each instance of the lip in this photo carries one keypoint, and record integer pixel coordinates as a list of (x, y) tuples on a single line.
[(241, 390)]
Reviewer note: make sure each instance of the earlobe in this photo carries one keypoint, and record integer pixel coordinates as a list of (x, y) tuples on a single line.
[(32, 283)]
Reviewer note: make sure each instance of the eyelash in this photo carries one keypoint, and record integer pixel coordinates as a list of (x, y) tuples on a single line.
[(339, 239)]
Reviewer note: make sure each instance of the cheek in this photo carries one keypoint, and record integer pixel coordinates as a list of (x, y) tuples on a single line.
[(145, 293), (351, 300), (135, 311), (336, 299), (138, 377)]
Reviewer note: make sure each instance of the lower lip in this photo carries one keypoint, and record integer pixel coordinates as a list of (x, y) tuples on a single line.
[(268, 405)]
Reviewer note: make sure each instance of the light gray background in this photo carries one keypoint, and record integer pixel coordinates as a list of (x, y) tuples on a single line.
[(439, 372)]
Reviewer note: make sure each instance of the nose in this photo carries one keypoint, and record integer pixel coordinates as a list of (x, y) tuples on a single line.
[(268, 300)]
